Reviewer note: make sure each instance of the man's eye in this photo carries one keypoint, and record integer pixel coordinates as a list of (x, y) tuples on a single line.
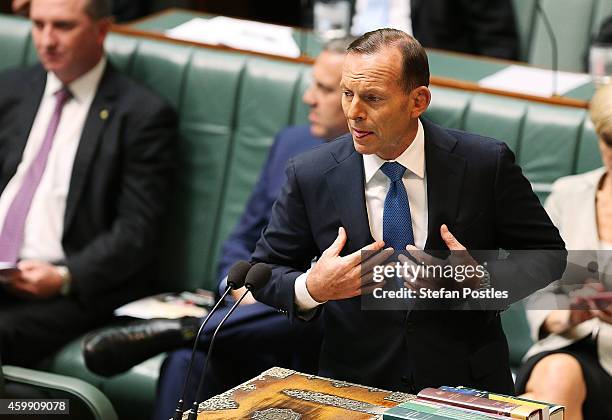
[(347, 94), (371, 98)]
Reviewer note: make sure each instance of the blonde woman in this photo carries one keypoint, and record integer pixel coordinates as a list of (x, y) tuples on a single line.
[(571, 362)]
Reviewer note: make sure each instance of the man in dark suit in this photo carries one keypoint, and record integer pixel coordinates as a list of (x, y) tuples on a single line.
[(400, 181), (85, 161)]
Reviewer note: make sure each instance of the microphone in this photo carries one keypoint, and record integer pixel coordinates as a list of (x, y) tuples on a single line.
[(235, 280), (553, 44), (256, 278)]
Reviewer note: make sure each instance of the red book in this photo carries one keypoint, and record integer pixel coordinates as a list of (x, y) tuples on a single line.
[(481, 404)]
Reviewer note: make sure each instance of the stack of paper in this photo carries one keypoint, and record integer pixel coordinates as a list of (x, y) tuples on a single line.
[(240, 34)]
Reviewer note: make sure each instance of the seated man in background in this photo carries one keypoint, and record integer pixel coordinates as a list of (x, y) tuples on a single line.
[(86, 157), (571, 362), (256, 337)]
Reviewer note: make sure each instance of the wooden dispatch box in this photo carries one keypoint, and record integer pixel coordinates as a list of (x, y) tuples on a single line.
[(283, 394)]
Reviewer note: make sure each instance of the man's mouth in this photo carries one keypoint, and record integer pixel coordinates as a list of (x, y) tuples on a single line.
[(360, 133)]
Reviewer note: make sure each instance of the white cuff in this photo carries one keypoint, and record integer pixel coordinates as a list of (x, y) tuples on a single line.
[(303, 300)]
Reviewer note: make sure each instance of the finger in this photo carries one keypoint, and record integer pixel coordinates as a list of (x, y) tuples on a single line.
[(369, 288), (355, 258), (422, 256), (451, 242), (376, 259), (26, 265), (336, 247)]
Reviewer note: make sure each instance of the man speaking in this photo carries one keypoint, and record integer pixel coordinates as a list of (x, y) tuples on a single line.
[(398, 181)]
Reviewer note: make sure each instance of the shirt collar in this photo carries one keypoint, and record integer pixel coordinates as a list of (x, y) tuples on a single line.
[(413, 158), (82, 88)]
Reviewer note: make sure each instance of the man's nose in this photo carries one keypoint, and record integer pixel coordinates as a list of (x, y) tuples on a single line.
[(49, 40), (355, 110), (309, 97)]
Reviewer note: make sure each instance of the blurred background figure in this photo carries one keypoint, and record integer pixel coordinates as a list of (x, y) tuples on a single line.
[(484, 27), (123, 10), (571, 363)]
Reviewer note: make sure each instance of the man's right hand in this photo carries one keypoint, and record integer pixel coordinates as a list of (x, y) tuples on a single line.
[(334, 277), (248, 299)]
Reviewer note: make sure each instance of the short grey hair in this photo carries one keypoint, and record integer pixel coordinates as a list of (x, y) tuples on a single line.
[(98, 9)]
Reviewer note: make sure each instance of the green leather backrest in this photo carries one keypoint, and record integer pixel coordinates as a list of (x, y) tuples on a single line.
[(588, 157), (15, 36), (497, 117), (549, 142), (448, 106), (264, 105), (571, 23), (516, 327), (300, 113), (121, 50)]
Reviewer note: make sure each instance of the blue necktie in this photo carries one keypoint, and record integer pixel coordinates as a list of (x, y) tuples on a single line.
[(397, 222)]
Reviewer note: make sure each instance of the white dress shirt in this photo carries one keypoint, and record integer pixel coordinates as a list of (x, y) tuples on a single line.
[(377, 186), (44, 225), (375, 14)]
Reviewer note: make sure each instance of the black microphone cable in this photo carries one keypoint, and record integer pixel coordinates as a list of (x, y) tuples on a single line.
[(256, 278), (235, 280), (553, 44)]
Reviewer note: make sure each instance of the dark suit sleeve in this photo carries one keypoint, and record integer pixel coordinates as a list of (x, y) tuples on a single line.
[(286, 245), (146, 163), (537, 254), (492, 27), (241, 242)]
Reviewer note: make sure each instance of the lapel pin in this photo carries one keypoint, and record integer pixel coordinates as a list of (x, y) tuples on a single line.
[(104, 114)]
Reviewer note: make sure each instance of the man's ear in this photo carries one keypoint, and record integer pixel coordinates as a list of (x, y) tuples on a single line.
[(104, 27), (421, 97)]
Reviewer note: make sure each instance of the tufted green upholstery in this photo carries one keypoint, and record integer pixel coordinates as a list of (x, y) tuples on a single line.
[(524, 13), (231, 106)]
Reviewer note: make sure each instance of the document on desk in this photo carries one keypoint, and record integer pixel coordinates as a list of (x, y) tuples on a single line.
[(534, 81), (240, 34)]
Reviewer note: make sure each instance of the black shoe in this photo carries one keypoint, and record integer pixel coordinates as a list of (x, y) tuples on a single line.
[(114, 350)]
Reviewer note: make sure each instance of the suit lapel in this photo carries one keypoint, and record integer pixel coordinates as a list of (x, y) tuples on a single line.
[(27, 113), (445, 173), (99, 114), (349, 197)]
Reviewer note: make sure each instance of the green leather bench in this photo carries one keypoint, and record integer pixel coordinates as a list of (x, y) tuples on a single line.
[(230, 106), (574, 23)]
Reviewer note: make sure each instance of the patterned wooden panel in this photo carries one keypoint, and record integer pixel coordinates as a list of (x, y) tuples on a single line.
[(282, 394)]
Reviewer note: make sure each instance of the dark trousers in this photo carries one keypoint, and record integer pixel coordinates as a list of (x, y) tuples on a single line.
[(31, 330), (255, 338)]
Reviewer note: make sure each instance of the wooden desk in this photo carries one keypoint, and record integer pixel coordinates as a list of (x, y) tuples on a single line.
[(448, 69), (283, 393)]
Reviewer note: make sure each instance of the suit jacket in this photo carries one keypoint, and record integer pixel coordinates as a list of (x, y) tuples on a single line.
[(484, 27), (240, 245), (475, 188), (119, 185), (578, 228)]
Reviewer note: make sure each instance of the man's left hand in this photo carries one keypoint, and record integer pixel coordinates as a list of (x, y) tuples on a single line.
[(459, 257), (38, 280)]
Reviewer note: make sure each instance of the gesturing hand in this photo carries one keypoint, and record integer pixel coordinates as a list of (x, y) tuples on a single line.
[(459, 256), (334, 277)]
